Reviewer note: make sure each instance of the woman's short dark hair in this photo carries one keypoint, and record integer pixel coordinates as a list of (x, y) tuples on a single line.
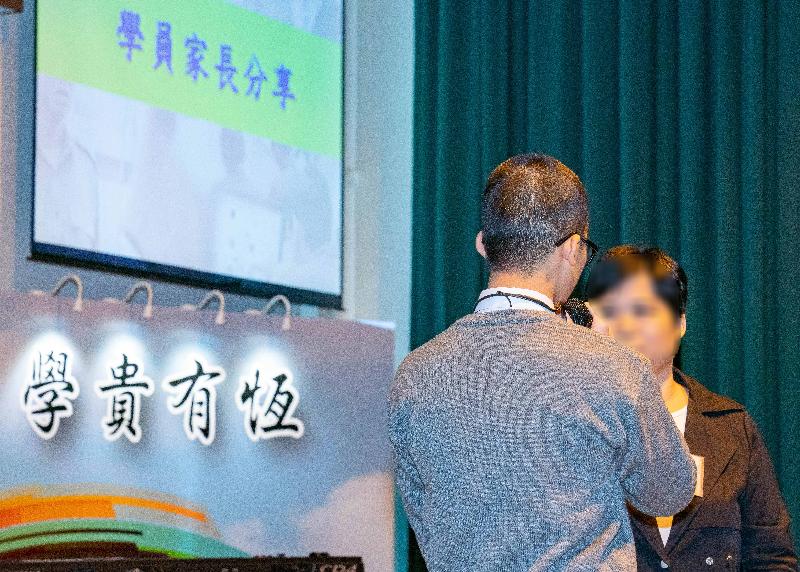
[(622, 262)]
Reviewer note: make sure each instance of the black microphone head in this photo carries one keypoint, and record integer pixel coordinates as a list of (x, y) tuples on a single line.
[(578, 312)]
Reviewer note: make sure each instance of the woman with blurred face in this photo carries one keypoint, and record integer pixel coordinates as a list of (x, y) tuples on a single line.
[(738, 518)]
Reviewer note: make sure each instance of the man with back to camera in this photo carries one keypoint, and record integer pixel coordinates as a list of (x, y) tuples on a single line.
[(518, 437)]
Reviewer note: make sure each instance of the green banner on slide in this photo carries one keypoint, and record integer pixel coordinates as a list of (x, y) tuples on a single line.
[(229, 65)]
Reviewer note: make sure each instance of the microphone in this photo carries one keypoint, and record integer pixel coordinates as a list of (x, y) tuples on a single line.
[(578, 312)]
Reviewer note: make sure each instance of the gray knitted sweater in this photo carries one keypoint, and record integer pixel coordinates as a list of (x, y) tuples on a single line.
[(519, 437)]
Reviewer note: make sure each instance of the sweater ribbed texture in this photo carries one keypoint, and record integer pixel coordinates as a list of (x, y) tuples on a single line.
[(519, 437)]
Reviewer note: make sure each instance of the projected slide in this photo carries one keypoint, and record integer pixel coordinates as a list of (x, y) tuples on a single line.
[(199, 140)]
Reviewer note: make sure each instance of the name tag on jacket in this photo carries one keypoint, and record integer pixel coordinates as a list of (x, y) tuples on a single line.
[(700, 462)]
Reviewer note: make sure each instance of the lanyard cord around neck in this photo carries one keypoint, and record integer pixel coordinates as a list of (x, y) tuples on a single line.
[(508, 297)]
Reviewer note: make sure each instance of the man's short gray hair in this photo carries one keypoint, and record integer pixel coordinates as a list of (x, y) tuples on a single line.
[(530, 202)]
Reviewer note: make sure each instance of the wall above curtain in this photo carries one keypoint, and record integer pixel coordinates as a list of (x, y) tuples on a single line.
[(682, 119)]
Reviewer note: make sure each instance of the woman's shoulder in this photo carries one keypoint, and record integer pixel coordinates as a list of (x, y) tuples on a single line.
[(706, 400), (719, 406)]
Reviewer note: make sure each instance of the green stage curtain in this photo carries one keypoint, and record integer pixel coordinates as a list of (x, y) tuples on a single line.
[(683, 121)]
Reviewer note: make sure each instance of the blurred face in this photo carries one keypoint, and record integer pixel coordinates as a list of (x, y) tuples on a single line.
[(638, 318)]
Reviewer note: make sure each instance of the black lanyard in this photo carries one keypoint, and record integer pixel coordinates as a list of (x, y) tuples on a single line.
[(508, 297)]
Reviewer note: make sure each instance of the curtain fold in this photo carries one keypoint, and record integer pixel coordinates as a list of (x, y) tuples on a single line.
[(683, 121)]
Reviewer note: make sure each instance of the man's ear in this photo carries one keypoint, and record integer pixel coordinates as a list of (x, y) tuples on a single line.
[(479, 244), (571, 250), (683, 324)]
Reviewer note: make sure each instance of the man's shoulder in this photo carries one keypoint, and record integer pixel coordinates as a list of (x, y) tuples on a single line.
[(594, 360), (556, 339), (571, 342), (601, 345), (428, 354)]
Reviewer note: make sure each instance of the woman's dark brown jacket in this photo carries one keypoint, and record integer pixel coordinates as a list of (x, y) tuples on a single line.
[(740, 522)]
